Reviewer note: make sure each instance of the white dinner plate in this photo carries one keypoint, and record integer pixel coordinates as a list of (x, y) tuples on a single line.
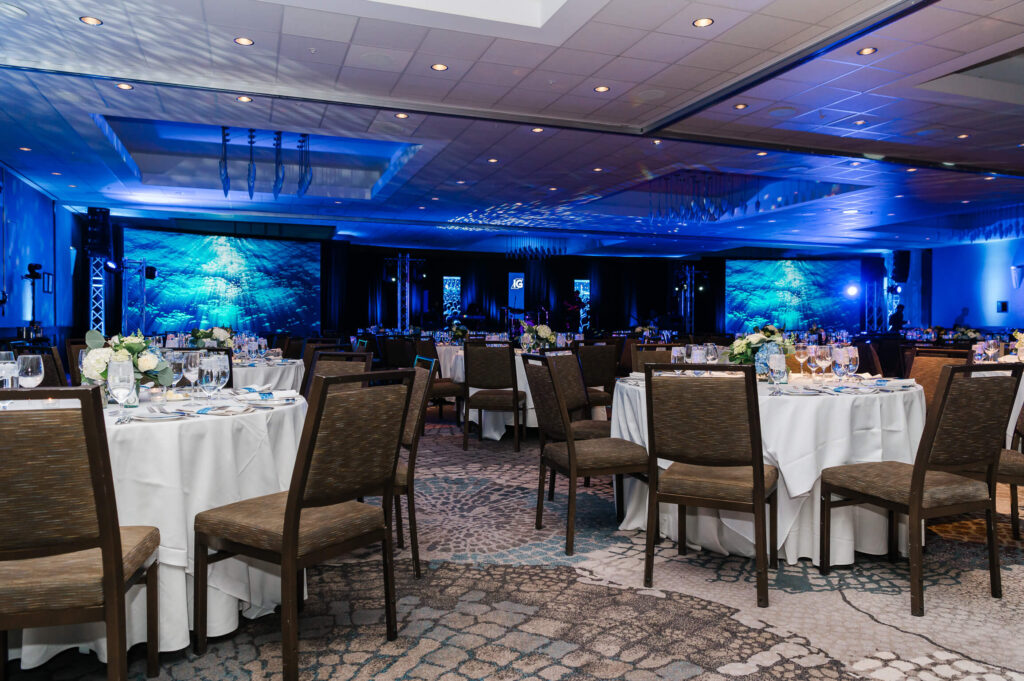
[(157, 417)]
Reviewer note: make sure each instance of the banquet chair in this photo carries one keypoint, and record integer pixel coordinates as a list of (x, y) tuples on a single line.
[(563, 452), (491, 367), (399, 353), (710, 428), (964, 432), (653, 353), (598, 360), (65, 559), (53, 367), (869, 362), (293, 347), (441, 388), (311, 348), (73, 347), (926, 368), (349, 449), (335, 363)]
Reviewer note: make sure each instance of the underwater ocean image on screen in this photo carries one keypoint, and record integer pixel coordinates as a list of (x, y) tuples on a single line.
[(254, 285), (791, 293)]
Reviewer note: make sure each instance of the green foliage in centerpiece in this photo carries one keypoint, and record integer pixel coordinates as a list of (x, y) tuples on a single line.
[(223, 336), (149, 367), (459, 332), (742, 350), (536, 337)]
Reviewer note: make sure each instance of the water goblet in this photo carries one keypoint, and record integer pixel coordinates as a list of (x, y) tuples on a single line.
[(8, 369), (800, 354), (852, 362), (190, 368), (839, 362), (698, 356), (823, 358), (812, 359), (208, 380), (120, 382), (224, 371), (30, 371), (992, 350), (711, 353), (776, 371)]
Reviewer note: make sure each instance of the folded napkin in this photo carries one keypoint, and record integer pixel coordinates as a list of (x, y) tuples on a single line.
[(891, 382), (1006, 359), (638, 374), (255, 388), (269, 395)]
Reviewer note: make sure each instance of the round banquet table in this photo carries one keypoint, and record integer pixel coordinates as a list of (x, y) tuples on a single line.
[(801, 435), (495, 421), (164, 474), (447, 356), (284, 375)]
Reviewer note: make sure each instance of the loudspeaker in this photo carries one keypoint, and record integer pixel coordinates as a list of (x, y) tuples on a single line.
[(900, 266), (97, 233)]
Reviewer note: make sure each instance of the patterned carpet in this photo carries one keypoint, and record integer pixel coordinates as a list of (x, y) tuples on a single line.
[(500, 600)]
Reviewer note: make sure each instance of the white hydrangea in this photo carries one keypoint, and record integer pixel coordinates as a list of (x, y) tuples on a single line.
[(121, 356), (148, 361), (220, 334), (527, 339), (96, 363), (544, 331)]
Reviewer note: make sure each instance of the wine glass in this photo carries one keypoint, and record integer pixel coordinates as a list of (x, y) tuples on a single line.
[(190, 368), (223, 370), (839, 362), (800, 353), (776, 371), (812, 359), (698, 356), (823, 358), (30, 371), (82, 354), (120, 382), (711, 352), (261, 347), (208, 380), (991, 350), (852, 361), (176, 360)]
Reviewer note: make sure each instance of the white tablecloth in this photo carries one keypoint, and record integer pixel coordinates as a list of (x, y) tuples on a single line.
[(164, 474), (801, 436), (286, 375), (447, 356)]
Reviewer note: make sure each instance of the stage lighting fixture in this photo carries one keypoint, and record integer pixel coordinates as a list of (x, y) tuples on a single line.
[(852, 290), (111, 266)]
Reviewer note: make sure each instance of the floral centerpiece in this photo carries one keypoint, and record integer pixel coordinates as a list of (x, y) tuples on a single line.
[(645, 331), (536, 337), (459, 332), (223, 336), (743, 350), (962, 333), (149, 367)]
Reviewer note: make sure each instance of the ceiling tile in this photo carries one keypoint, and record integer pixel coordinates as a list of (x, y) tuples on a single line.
[(604, 38), (455, 44), (917, 58), (377, 58), (762, 32), (645, 14), (516, 53), (314, 24), (578, 62), (924, 24), (663, 47), (631, 70), (495, 74), (682, 23), (520, 99), (476, 94), (801, 10), (390, 34), (263, 16), (719, 56), (866, 78), (421, 87), (550, 81), (370, 81), (976, 35), (682, 77), (302, 48), (574, 105)]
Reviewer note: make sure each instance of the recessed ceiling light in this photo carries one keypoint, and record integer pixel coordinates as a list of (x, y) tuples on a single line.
[(990, 177), (948, 164), (492, 160), (859, 122), (13, 11), (439, 67), (125, 86), (761, 153), (244, 98), (899, 196), (423, 207), (911, 170), (597, 170), (433, 198), (245, 41), (602, 88), (1021, 144), (965, 201), (855, 163), (740, 106), (850, 211), (865, 51), (55, 173), (656, 142), (91, 21), (401, 115), (24, 148), (73, 186), (703, 23), (537, 130), (962, 136), (460, 182), (552, 189), (337, 203)]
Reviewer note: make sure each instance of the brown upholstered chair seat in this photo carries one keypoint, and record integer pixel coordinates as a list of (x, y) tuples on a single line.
[(1011, 465), (721, 483), (591, 430), (890, 480), (259, 523), (494, 399), (70, 580), (599, 398), (446, 387), (598, 454)]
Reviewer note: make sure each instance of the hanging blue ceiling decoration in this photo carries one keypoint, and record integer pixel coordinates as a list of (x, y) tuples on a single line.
[(250, 179), (278, 165), (305, 169), (225, 179)]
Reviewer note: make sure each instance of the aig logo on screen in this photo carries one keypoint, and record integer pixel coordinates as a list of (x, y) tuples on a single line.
[(517, 283)]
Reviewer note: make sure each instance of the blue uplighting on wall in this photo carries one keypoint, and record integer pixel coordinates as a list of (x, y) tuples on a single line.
[(452, 292), (792, 293), (583, 287), (258, 285)]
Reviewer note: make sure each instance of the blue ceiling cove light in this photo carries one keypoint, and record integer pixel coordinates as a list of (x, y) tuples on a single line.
[(852, 290)]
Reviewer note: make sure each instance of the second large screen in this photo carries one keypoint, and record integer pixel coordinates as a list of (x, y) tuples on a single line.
[(792, 293), (256, 285)]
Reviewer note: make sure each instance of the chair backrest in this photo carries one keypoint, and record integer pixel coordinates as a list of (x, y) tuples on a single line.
[(331, 363), (869, 362), (350, 442), (58, 494), (549, 407), (490, 365), (565, 369), (293, 347), (653, 353), (966, 428), (73, 348), (311, 348), (599, 364), (399, 352), (425, 369), (708, 420), (927, 369), (53, 367)]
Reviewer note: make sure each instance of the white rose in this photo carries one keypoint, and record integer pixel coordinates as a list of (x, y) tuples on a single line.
[(220, 334), (148, 361), (96, 363), (756, 338), (544, 331), (121, 356), (114, 340)]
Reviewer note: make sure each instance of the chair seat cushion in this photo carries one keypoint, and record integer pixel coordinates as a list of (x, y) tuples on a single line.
[(718, 483), (446, 387), (494, 399), (70, 580), (259, 522), (599, 453), (599, 398), (1011, 467), (591, 430), (890, 480)]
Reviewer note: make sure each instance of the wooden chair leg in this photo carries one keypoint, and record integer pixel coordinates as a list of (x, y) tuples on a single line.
[(995, 578), (539, 523), (117, 638), (152, 621), (652, 530), (199, 577), (414, 541), (440, 410), (586, 481), (824, 530), (398, 521), (916, 576), (893, 528), (1014, 512), (570, 526), (289, 622), (465, 427), (620, 498), (390, 617), (761, 554), (515, 428), (657, 528), (480, 425), (300, 591), (773, 535), (681, 529), (551, 486)]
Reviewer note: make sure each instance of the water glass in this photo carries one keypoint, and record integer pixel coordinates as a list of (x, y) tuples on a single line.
[(711, 353), (991, 350), (120, 381), (800, 354), (176, 360), (261, 347), (30, 371), (823, 358), (698, 356), (223, 370), (776, 371), (839, 362), (190, 368), (812, 359), (209, 381), (852, 361)]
